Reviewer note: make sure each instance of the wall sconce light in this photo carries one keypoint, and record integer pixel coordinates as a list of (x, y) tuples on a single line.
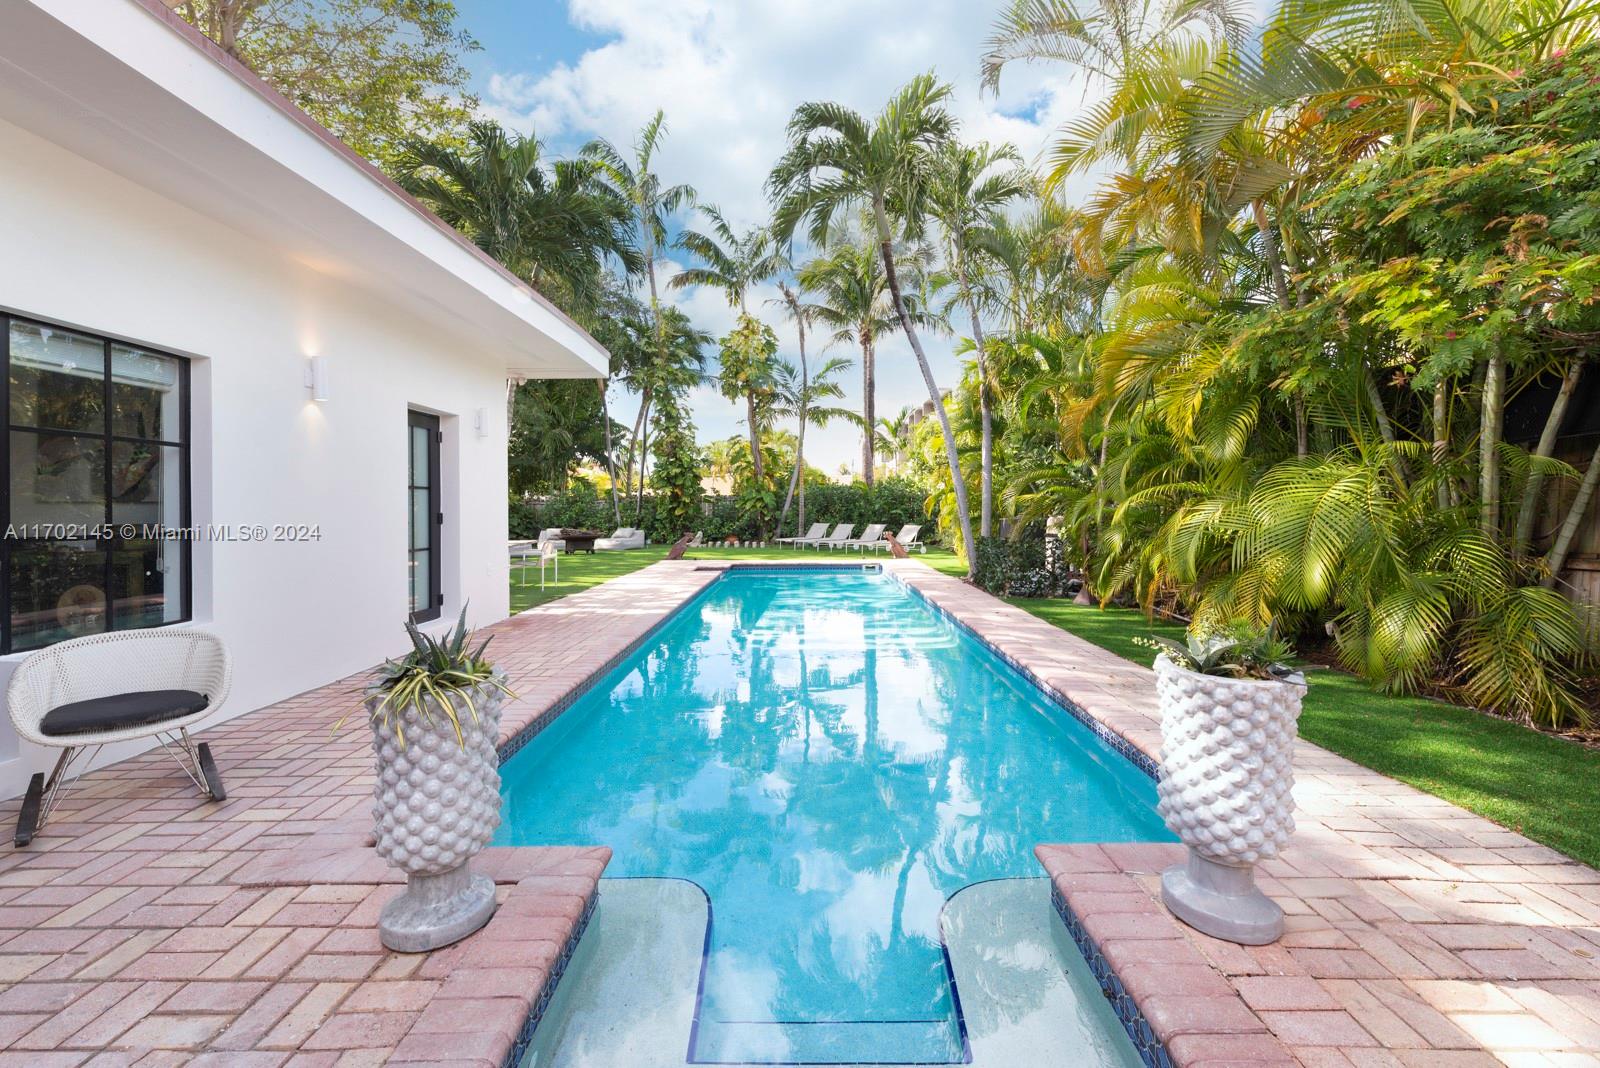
[(480, 422), (317, 377)]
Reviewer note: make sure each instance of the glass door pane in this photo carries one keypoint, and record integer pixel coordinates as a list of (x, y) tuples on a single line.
[(422, 510)]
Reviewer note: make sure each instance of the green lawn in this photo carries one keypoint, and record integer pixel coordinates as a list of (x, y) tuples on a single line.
[(582, 570), (1542, 786)]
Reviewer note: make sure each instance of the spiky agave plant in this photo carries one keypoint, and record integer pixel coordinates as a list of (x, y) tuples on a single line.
[(435, 670), (1243, 651)]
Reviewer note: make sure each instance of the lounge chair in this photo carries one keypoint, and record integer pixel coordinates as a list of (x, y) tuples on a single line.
[(697, 541), (817, 531), (622, 538), (871, 536), (841, 536), (908, 539), (89, 692), (840, 532), (548, 535)]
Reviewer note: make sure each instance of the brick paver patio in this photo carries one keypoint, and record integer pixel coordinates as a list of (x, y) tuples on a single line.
[(148, 926)]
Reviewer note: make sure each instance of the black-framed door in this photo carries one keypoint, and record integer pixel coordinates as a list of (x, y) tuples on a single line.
[(426, 518)]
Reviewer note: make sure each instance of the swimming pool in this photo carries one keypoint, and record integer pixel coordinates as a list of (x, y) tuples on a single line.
[(829, 759)]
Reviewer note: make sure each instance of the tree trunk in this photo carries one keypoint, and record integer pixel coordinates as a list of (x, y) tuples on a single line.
[(755, 459), (644, 459), (986, 475), (1528, 509), (1557, 559), (1381, 414), (633, 442), (1441, 438), (797, 476), (869, 406), (611, 467), (1280, 286), (1494, 388), (963, 509)]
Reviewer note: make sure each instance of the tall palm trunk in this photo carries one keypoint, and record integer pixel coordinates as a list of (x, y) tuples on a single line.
[(963, 509), (611, 467), (1441, 438), (796, 477), (755, 457), (1528, 508), (869, 405), (986, 490), (1280, 286), (1494, 388)]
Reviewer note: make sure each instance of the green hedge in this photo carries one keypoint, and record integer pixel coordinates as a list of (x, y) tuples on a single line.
[(893, 502)]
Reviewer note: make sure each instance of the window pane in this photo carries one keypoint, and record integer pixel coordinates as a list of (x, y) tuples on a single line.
[(419, 456), (144, 394), (57, 379), (421, 528), (421, 581), (57, 592), (146, 584), (57, 478), (144, 484)]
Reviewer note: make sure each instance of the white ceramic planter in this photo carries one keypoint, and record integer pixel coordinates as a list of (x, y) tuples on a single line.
[(1227, 751), (436, 805)]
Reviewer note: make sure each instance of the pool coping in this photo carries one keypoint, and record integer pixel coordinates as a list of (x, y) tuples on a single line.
[(1149, 1039)]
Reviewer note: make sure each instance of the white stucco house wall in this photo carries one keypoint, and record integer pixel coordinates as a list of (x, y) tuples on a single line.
[(217, 318)]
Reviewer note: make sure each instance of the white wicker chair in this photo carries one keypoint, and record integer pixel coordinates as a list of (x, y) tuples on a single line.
[(86, 693)]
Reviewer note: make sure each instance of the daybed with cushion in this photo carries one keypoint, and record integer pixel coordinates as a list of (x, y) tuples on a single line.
[(623, 538), (88, 692)]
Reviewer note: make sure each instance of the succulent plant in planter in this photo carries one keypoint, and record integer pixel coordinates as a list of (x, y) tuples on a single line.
[(1229, 708), (435, 718)]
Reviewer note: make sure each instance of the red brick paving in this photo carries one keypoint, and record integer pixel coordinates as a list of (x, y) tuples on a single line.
[(148, 925)]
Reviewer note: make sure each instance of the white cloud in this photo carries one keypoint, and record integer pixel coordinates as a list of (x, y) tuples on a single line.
[(728, 75)]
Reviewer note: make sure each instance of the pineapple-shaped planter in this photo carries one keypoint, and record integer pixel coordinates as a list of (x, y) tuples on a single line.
[(436, 805), (1227, 747)]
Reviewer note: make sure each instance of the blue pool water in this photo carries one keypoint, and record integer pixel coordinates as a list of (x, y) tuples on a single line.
[(829, 759)]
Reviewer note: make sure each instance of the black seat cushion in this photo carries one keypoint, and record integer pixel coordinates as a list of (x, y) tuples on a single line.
[(121, 711)]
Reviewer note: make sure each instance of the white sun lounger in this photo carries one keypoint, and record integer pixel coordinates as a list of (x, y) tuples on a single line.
[(908, 539), (871, 536), (840, 535), (816, 533)]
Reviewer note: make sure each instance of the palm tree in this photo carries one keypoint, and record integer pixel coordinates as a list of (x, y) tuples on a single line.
[(970, 187), (681, 368), (748, 373), (838, 160), (732, 262), (854, 300), (893, 433), (802, 398), (554, 224), (637, 185)]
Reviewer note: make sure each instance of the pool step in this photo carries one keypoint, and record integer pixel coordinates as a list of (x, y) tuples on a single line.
[(828, 1042), (1027, 995)]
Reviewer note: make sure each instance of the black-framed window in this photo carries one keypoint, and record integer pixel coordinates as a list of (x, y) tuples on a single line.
[(96, 452), (426, 521)]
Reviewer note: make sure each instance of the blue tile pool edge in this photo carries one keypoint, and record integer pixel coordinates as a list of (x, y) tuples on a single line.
[(1112, 738), (1152, 1051), (536, 1011)]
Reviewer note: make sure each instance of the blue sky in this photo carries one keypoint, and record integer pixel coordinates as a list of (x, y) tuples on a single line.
[(728, 74)]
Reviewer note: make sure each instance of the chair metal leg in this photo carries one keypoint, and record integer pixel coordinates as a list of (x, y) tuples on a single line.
[(209, 772), (43, 794), (196, 762), (28, 818)]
